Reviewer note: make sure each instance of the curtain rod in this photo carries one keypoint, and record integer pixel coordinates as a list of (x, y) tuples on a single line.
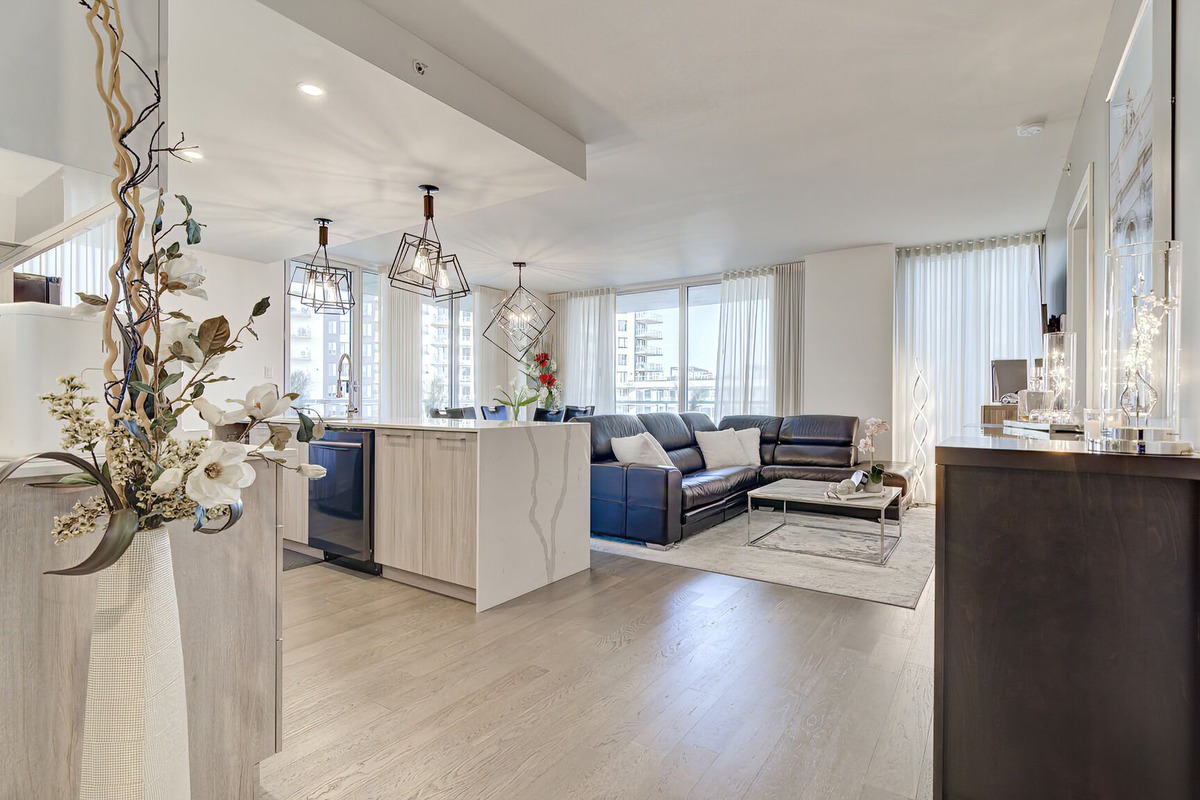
[(1039, 235)]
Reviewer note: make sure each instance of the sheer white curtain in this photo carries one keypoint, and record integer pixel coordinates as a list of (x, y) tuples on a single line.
[(493, 367), (958, 307), (746, 366), (583, 335), (788, 337), (400, 349), (82, 262)]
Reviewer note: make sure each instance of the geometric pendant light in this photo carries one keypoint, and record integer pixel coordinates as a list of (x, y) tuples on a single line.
[(420, 266), (322, 287), (519, 321)]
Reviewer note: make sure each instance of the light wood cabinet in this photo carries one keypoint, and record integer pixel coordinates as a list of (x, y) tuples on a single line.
[(398, 480), (425, 501), (450, 496), (293, 499)]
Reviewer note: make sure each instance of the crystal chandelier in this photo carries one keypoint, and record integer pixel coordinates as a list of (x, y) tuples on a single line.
[(519, 321), (320, 286), (420, 265)]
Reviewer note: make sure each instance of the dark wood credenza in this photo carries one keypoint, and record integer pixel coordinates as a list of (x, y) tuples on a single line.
[(1067, 645)]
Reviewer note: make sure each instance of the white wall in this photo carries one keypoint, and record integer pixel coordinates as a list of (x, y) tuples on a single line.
[(234, 286), (849, 298)]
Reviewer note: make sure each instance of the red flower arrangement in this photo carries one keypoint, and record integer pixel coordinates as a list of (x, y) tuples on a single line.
[(542, 370)]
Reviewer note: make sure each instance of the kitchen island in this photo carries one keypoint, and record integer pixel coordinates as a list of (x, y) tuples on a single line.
[(480, 510)]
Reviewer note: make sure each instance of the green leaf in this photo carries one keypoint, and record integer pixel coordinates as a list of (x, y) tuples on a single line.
[(193, 231), (197, 390), (177, 351), (261, 307), (280, 436), (144, 388), (179, 315), (185, 202), (170, 379), (213, 335), (92, 299), (78, 479), (305, 433)]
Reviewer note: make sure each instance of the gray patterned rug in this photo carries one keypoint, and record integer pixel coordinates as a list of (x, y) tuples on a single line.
[(818, 537)]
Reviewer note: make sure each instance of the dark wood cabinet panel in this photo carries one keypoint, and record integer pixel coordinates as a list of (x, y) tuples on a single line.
[(1066, 632)]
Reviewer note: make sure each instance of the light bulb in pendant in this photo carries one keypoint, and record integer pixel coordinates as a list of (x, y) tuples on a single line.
[(421, 263)]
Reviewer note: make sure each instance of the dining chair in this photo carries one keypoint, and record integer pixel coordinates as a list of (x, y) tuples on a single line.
[(548, 414), (494, 412), (466, 412), (571, 412), (439, 413)]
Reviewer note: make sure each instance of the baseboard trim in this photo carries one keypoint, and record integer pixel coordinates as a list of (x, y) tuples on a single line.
[(464, 593)]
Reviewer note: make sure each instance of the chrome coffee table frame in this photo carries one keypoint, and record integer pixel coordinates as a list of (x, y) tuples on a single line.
[(813, 493)]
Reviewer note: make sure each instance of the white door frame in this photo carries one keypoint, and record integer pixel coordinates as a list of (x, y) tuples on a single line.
[(1081, 258)]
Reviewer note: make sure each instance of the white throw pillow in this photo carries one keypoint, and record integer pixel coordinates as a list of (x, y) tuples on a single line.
[(640, 449), (721, 449), (658, 454), (750, 438)]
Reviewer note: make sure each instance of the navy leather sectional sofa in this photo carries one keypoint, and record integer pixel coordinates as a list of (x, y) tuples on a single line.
[(661, 505)]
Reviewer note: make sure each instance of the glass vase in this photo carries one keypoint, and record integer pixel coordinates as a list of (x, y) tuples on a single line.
[(1139, 365), (1059, 365)]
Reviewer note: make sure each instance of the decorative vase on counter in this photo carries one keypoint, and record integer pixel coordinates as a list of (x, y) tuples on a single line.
[(874, 479), (135, 732)]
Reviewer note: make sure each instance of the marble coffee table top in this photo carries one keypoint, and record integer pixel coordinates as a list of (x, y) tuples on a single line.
[(799, 491)]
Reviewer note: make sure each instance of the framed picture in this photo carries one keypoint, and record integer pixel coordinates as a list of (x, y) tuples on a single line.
[(1140, 121)]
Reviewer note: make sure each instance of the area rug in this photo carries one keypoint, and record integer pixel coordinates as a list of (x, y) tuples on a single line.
[(723, 549)]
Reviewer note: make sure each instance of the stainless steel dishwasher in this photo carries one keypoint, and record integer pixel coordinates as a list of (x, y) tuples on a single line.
[(341, 506)]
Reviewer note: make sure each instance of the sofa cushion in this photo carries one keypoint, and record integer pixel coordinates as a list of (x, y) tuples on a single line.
[(697, 421), (641, 448), (675, 436), (604, 427), (712, 485), (768, 431), (806, 472), (723, 449), (817, 439)]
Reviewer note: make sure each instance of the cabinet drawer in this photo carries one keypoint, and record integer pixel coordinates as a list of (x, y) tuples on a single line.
[(399, 480), (449, 506)]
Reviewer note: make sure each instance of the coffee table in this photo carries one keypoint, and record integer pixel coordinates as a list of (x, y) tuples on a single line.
[(813, 494)]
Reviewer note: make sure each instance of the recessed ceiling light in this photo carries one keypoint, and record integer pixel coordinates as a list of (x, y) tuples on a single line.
[(310, 89), (192, 154), (1031, 128)]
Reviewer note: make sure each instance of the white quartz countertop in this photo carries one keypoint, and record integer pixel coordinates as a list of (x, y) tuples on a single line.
[(423, 424)]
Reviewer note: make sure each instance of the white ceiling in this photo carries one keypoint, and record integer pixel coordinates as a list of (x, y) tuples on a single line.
[(732, 134), (274, 158)]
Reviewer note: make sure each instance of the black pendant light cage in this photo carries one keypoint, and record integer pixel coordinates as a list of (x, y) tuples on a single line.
[(421, 267), (520, 321), (318, 284)]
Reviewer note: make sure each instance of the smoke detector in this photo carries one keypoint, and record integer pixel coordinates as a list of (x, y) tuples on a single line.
[(1031, 128)]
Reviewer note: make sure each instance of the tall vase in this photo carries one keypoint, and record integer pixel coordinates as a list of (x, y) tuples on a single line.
[(135, 733)]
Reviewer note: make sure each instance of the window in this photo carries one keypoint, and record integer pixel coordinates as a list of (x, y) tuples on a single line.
[(673, 348), (447, 358), (703, 330), (317, 342)]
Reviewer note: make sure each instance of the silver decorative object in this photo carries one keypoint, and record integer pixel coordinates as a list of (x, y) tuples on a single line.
[(920, 433)]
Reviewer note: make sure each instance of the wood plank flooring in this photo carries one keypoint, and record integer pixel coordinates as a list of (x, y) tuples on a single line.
[(636, 680)]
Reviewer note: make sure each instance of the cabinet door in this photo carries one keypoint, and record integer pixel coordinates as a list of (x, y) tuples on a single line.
[(450, 494), (293, 498), (398, 513)]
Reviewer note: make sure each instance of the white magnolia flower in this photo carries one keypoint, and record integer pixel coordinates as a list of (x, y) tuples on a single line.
[(312, 471), (214, 415), (180, 332), (184, 276), (220, 474), (263, 402), (168, 482)]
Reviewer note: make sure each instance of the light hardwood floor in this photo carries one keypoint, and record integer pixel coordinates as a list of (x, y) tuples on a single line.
[(636, 680)]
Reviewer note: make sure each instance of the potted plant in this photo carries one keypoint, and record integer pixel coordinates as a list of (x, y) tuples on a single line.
[(517, 396), (543, 372), (874, 427), (159, 363)]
